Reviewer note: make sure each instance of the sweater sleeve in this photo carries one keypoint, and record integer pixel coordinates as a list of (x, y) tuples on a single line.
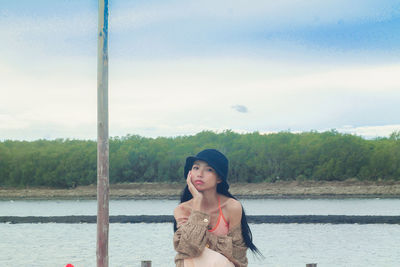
[(239, 247), (191, 237), (231, 246)]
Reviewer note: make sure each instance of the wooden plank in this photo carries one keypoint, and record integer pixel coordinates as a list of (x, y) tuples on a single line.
[(146, 264), (102, 137)]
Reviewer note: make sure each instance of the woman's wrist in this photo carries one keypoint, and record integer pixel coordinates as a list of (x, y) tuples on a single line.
[(197, 203)]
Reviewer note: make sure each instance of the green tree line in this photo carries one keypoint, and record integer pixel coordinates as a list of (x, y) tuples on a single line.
[(253, 157)]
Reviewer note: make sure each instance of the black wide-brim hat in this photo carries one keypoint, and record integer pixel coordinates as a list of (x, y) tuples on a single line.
[(214, 158)]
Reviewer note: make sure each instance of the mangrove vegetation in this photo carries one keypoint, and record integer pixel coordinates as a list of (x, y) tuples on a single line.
[(254, 157)]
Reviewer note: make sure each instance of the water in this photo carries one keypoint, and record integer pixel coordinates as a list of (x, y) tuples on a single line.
[(165, 207), (282, 244)]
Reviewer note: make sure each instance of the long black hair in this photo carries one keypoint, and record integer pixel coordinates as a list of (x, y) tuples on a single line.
[(223, 189)]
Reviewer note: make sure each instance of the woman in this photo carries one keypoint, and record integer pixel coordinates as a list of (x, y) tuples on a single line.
[(210, 224)]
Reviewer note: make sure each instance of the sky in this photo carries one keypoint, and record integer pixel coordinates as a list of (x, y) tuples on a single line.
[(182, 67)]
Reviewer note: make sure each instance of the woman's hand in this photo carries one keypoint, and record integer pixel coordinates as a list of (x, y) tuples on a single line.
[(197, 196)]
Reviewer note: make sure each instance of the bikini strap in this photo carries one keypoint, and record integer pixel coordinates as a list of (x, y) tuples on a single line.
[(220, 210)]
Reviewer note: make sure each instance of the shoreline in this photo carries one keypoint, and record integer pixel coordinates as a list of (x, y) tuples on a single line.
[(278, 190), (254, 219)]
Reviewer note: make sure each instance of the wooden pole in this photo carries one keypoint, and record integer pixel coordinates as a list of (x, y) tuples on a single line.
[(146, 264), (311, 265), (102, 137)]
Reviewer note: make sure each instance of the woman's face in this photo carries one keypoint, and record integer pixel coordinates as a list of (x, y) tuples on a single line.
[(204, 176)]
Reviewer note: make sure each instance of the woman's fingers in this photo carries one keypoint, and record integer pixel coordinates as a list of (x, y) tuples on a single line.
[(197, 196), (189, 182), (191, 187)]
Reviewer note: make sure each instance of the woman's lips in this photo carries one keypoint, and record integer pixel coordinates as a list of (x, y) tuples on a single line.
[(198, 182)]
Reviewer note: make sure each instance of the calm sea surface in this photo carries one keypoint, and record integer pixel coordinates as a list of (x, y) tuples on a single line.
[(282, 244), (165, 207)]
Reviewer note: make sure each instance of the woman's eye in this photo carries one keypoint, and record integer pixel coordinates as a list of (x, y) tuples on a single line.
[(210, 170), (195, 168)]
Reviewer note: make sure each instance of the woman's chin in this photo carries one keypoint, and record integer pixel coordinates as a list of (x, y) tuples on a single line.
[(199, 187)]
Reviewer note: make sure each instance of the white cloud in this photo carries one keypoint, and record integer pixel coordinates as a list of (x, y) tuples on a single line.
[(368, 132), (371, 131), (47, 92), (205, 90), (12, 122), (54, 95), (357, 78), (173, 98)]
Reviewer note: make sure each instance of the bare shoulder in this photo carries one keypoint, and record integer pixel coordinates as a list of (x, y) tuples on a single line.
[(233, 211), (234, 206), (183, 209)]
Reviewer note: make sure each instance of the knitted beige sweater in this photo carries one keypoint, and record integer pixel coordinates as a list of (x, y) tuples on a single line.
[(192, 237)]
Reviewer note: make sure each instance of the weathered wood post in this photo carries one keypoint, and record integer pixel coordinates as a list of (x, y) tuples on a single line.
[(311, 265), (102, 136), (146, 264)]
